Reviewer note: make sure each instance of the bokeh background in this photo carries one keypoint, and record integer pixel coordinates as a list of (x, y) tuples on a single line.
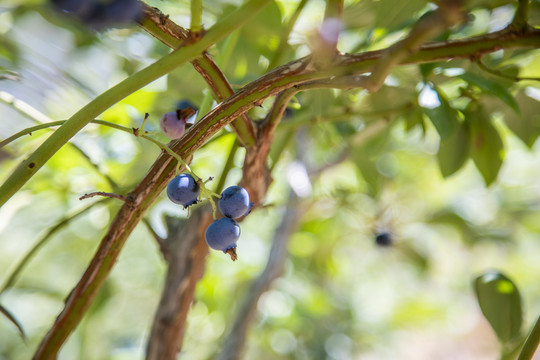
[(373, 166)]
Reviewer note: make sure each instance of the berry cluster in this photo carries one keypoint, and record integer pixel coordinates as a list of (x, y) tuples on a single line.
[(223, 233), (100, 15)]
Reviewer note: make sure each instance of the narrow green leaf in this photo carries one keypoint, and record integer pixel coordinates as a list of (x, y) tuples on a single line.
[(500, 302), (487, 150), (454, 151), (491, 86), (13, 320), (444, 117)]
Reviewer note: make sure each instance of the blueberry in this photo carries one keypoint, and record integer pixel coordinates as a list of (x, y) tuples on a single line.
[(183, 190), (384, 239), (222, 235), (234, 202), (173, 124)]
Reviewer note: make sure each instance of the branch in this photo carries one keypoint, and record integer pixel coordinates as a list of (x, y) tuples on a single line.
[(143, 196), (165, 30), (281, 78), (105, 100), (428, 27), (38, 117)]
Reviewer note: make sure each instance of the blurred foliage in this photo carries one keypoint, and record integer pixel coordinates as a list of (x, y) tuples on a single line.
[(444, 157)]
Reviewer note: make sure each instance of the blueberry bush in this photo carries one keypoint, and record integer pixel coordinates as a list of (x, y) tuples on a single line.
[(371, 166)]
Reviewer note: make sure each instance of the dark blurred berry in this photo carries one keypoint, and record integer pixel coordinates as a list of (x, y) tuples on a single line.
[(384, 239), (100, 15), (184, 104)]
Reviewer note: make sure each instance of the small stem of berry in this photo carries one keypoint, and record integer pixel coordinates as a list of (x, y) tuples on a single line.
[(232, 253), (146, 115)]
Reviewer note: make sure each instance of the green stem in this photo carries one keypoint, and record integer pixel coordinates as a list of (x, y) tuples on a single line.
[(521, 17), (531, 344), (285, 36), (181, 162), (227, 168), (38, 117), (131, 84), (206, 105), (196, 16), (228, 46)]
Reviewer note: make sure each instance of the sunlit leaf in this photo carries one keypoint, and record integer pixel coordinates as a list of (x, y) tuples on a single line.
[(500, 302), (487, 150), (454, 151), (444, 117)]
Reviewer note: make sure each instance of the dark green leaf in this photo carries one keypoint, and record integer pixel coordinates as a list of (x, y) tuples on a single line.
[(500, 303), (526, 125), (13, 320), (487, 149), (491, 86), (454, 151), (444, 117)]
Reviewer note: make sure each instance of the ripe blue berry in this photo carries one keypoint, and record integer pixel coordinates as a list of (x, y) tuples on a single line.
[(234, 202), (222, 235), (183, 190), (384, 239)]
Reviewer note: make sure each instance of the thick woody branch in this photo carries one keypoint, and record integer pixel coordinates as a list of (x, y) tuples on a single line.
[(187, 253)]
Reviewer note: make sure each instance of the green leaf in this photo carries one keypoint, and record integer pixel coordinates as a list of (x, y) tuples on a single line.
[(444, 117), (500, 302), (493, 87), (487, 150), (454, 151), (525, 125)]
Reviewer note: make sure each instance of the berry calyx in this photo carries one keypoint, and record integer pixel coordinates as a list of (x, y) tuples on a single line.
[(222, 235), (234, 202), (183, 190)]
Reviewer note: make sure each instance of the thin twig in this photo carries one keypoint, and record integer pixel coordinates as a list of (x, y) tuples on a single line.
[(105, 194)]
